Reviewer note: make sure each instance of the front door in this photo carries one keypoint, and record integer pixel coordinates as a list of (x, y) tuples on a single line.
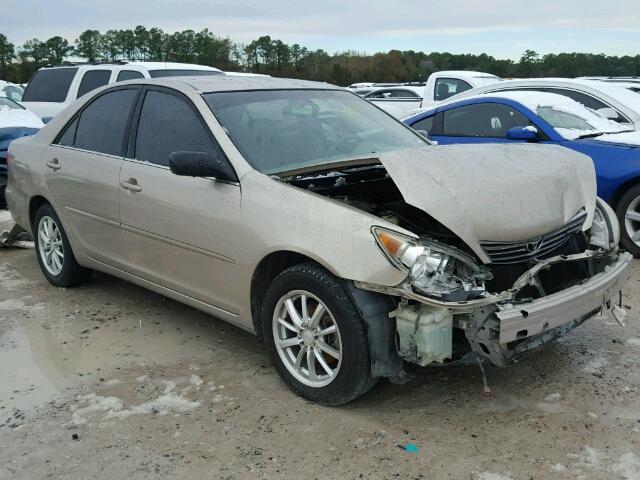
[(179, 232), (478, 123)]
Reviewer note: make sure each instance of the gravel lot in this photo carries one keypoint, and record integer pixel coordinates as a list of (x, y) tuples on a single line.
[(112, 381)]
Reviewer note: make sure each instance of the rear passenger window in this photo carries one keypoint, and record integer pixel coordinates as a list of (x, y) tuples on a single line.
[(102, 124), (68, 136), (169, 124), (92, 80), (49, 85), (128, 75)]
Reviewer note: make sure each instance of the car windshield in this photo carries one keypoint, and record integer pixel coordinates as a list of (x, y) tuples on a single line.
[(282, 130), (578, 122), (14, 92), (8, 104)]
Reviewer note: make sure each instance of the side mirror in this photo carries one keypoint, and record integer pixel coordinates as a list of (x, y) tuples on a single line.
[(199, 164), (424, 133), (608, 112), (522, 133)]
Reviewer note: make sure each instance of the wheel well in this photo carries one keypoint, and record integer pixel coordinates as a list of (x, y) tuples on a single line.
[(34, 204), (620, 191), (268, 269)]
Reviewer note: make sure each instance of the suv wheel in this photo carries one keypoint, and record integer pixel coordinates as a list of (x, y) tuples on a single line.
[(53, 250), (628, 212), (315, 336)]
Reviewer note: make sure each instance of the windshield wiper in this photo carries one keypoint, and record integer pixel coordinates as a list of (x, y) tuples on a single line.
[(591, 135)]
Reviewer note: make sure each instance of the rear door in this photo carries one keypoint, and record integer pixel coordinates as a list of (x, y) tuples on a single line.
[(179, 232), (82, 172)]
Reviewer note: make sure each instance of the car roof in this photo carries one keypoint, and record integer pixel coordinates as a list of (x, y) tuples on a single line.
[(223, 83), (124, 64), (467, 73)]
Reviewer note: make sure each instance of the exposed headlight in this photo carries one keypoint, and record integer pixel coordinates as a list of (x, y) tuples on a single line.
[(433, 269), (605, 230)]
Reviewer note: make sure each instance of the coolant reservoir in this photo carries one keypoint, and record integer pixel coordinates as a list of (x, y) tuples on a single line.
[(424, 333)]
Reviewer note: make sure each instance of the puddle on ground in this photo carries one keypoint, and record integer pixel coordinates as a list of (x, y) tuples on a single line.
[(55, 339)]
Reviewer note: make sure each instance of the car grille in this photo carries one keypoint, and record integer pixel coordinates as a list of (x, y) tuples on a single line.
[(523, 250)]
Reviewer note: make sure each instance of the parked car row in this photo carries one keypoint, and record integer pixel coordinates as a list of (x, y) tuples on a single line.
[(400, 99), (305, 214)]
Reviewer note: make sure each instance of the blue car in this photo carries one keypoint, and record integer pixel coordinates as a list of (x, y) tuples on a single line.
[(15, 122), (521, 116)]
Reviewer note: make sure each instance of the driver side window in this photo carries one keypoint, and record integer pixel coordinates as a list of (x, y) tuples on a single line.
[(168, 124), (489, 120)]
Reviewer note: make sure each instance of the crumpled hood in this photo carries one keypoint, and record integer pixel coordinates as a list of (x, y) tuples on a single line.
[(494, 191)]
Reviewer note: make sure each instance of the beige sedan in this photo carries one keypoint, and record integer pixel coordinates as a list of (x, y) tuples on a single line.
[(305, 214)]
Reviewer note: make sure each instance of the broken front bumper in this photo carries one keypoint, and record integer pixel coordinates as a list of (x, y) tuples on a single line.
[(499, 326), (596, 295)]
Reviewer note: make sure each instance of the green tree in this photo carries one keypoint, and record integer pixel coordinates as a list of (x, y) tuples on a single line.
[(58, 49), (7, 54), (142, 40), (529, 63), (109, 45), (88, 45)]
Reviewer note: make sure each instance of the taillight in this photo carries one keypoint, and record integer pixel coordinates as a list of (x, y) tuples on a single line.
[(9, 158)]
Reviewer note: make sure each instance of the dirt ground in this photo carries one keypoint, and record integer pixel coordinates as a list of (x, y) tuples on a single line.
[(112, 381)]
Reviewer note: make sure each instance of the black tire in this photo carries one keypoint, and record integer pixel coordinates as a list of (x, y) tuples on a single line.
[(71, 274), (629, 196), (354, 376), (3, 199)]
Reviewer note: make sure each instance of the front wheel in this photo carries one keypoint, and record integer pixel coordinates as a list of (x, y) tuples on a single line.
[(315, 336), (628, 212), (53, 250)]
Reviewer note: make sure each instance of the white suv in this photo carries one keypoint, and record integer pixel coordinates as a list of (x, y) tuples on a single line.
[(51, 89)]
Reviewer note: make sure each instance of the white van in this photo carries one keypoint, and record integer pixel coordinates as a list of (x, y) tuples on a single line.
[(51, 89)]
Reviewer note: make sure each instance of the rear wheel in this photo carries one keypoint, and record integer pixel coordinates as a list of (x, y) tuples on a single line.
[(315, 336), (53, 250), (628, 212)]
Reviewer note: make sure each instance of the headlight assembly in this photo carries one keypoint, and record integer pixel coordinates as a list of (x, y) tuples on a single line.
[(434, 269)]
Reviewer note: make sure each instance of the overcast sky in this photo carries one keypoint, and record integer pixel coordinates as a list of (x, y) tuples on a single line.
[(498, 27)]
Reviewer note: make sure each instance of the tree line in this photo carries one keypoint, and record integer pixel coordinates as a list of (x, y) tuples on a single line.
[(277, 58)]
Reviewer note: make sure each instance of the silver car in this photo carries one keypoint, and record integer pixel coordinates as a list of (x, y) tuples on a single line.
[(302, 213)]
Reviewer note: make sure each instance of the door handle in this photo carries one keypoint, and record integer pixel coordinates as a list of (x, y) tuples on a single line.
[(131, 184), (54, 164)]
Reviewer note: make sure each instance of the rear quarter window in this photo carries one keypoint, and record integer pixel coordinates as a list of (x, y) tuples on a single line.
[(49, 85)]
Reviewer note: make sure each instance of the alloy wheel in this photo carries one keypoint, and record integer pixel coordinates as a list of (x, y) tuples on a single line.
[(50, 245), (307, 338), (632, 220)]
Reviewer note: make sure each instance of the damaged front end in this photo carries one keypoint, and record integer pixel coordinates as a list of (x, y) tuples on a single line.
[(555, 290), (535, 277)]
